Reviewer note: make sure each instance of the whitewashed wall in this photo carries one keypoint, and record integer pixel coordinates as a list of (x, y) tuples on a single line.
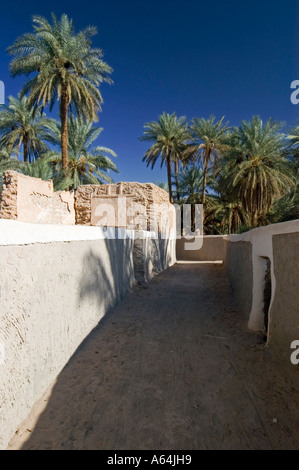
[(56, 284)]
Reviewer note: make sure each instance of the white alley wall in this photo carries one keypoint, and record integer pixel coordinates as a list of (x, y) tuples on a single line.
[(56, 284)]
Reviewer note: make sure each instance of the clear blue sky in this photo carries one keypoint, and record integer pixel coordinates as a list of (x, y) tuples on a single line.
[(191, 57)]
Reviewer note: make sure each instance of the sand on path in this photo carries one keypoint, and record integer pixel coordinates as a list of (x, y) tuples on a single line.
[(172, 367)]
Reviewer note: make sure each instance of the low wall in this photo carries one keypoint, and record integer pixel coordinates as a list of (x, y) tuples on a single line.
[(56, 284), (263, 267), (284, 315), (212, 249), (239, 269)]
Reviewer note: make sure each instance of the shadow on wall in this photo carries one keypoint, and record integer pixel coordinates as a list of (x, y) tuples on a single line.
[(151, 256), (84, 281), (107, 281)]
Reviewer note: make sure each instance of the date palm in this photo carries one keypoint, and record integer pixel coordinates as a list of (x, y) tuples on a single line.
[(21, 125), (254, 169), (65, 67), (190, 187), (293, 139), (287, 208), (7, 162), (208, 137), (40, 168), (87, 164), (170, 137)]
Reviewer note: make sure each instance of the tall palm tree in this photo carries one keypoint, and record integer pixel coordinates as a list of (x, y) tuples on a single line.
[(293, 138), (208, 142), (287, 208), (23, 125), (190, 184), (86, 164), (170, 137), (190, 187), (254, 169), (66, 69)]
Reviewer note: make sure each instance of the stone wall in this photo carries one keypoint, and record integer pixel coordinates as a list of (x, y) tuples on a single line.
[(145, 203), (33, 200), (128, 205)]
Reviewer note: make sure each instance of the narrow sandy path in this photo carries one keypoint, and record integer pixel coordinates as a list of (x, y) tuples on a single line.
[(173, 367)]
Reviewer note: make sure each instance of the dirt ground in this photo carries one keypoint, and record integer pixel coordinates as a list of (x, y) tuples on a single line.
[(172, 367)]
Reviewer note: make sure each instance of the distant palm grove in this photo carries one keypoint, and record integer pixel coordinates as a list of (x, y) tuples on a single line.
[(245, 176)]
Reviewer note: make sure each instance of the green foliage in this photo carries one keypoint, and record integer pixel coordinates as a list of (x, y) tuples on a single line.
[(208, 139), (38, 169), (22, 125), (254, 169), (190, 185), (245, 176), (169, 137), (59, 56), (86, 164), (64, 69)]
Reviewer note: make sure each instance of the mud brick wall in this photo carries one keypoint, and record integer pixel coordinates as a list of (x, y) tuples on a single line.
[(153, 199), (9, 195), (33, 200), (134, 206)]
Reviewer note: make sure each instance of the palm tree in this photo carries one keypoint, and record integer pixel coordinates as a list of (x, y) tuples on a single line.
[(7, 162), (170, 137), (86, 164), (293, 150), (66, 69), (208, 142), (233, 217), (162, 185), (287, 208), (23, 125), (190, 184), (40, 168), (190, 187), (294, 137), (254, 169)]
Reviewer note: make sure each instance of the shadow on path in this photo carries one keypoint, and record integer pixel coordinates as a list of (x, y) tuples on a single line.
[(172, 367)]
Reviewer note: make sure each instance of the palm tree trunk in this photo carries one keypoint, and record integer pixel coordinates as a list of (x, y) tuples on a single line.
[(204, 183), (176, 171), (18, 150), (64, 130), (168, 163), (25, 147), (205, 177)]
